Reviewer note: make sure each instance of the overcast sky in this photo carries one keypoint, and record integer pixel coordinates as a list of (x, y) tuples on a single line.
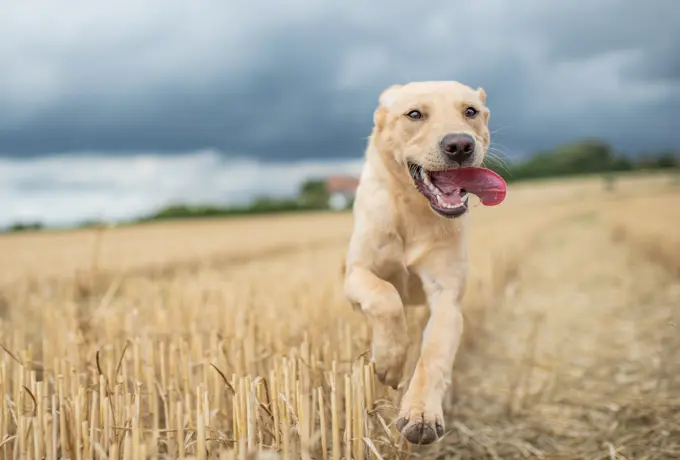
[(110, 109)]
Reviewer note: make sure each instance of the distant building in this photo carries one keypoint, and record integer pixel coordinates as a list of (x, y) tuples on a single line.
[(341, 191)]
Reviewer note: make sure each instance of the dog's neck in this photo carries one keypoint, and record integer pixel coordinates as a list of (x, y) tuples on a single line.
[(389, 171)]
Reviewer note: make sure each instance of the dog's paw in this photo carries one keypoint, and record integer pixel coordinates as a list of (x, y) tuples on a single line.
[(420, 426), (389, 363)]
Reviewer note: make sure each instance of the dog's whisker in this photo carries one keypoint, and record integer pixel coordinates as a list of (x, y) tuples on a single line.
[(500, 128), (498, 153), (498, 156), (498, 144), (499, 164), (496, 160), (498, 148), (492, 159)]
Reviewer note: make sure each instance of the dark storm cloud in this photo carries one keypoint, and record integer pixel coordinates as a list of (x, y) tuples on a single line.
[(301, 80)]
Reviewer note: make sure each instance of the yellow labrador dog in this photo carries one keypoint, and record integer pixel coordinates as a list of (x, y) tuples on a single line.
[(408, 245)]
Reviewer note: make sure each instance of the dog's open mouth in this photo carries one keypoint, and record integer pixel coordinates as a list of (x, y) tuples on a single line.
[(448, 190)]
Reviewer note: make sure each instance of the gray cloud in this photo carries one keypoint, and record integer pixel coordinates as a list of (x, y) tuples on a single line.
[(68, 189), (300, 79)]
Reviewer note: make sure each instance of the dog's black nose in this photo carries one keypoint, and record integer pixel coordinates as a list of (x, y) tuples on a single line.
[(459, 147)]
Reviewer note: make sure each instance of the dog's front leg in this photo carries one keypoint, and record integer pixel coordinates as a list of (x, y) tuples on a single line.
[(380, 300), (421, 419)]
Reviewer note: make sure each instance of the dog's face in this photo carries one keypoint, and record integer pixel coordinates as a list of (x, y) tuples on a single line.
[(432, 127)]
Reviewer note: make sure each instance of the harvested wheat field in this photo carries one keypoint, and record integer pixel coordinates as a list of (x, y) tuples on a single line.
[(231, 338)]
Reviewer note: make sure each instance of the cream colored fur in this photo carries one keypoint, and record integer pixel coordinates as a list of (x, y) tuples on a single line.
[(403, 253)]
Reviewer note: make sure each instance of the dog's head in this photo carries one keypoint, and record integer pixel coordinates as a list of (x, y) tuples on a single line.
[(438, 134)]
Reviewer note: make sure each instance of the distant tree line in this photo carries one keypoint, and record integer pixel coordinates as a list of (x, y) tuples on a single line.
[(263, 205), (24, 227), (577, 158), (312, 196)]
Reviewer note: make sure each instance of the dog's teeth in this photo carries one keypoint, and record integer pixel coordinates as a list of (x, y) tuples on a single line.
[(444, 204), (425, 176), (428, 183)]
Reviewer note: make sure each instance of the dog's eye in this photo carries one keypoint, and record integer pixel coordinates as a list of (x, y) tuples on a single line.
[(415, 115), (471, 112)]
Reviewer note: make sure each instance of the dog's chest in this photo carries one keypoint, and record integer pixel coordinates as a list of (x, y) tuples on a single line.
[(413, 254), (421, 241)]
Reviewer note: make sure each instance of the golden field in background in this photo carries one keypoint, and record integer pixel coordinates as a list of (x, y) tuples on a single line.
[(231, 338)]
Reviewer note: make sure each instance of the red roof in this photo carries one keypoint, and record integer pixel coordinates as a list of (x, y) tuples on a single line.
[(346, 184)]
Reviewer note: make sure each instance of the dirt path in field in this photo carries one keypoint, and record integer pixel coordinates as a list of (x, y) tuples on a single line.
[(581, 360)]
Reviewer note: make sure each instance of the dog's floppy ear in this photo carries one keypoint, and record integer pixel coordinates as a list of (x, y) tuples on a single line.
[(386, 99), (379, 117), (482, 94)]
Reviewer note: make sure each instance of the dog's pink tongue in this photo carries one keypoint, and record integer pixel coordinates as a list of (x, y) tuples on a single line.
[(486, 184)]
